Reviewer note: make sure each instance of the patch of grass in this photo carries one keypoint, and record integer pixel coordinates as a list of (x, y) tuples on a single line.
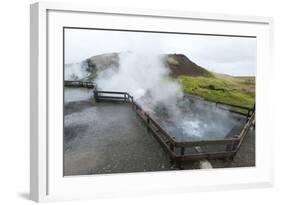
[(172, 61), (221, 88)]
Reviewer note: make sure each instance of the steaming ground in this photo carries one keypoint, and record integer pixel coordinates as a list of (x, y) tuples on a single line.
[(102, 138)]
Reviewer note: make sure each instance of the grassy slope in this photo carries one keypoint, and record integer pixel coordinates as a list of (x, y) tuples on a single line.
[(233, 90)]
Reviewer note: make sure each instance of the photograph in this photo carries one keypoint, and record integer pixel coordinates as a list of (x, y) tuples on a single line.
[(149, 101)]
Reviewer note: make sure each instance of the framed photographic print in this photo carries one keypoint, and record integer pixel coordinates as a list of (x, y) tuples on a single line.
[(128, 102)]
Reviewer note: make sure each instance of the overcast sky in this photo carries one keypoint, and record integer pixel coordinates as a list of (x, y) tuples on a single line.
[(222, 54)]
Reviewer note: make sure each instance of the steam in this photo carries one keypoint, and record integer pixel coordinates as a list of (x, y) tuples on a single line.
[(145, 76), (198, 119), (75, 71)]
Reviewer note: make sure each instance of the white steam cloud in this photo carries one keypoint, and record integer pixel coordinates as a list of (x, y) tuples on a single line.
[(75, 71), (146, 76), (143, 75)]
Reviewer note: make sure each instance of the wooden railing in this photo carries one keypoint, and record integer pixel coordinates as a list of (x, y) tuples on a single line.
[(76, 83), (242, 110), (177, 149)]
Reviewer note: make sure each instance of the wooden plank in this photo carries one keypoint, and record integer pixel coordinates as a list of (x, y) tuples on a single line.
[(111, 92), (156, 132), (110, 97), (220, 103), (87, 84), (170, 138), (236, 112), (210, 155), (163, 144), (231, 105), (245, 131), (206, 142)]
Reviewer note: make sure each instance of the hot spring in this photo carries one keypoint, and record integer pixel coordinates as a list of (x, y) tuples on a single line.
[(195, 119)]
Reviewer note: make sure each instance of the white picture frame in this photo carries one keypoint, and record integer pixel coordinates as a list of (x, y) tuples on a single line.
[(46, 180)]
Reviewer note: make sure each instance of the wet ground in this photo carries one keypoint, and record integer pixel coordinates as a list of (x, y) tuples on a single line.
[(109, 137)]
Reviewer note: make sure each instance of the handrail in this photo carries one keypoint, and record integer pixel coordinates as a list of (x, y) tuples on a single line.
[(220, 103), (88, 84), (111, 92), (237, 106), (170, 143), (245, 130)]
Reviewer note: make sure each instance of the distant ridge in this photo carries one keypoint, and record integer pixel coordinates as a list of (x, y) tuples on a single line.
[(179, 65)]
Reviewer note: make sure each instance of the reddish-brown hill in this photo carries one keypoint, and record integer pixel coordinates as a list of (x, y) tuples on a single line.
[(182, 65)]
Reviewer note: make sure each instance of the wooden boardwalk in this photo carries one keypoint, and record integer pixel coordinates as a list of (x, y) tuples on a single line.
[(180, 150)]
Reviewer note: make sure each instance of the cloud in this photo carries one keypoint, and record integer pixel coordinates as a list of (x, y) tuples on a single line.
[(229, 55)]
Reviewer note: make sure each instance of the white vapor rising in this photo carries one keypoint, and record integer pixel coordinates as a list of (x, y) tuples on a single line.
[(141, 74), (75, 71), (145, 76)]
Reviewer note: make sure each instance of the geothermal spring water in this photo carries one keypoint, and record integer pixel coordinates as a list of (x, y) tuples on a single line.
[(192, 119)]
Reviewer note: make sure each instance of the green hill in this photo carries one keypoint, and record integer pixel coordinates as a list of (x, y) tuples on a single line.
[(221, 88)]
